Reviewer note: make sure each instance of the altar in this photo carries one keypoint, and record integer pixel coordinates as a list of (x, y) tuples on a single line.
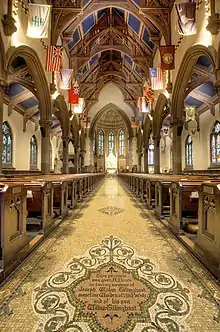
[(111, 163)]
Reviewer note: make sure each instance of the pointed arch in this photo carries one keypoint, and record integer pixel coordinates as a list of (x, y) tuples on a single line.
[(37, 72), (160, 113), (107, 108), (184, 73)]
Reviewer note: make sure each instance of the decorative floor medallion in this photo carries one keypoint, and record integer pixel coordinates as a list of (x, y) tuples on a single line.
[(111, 210), (111, 289)]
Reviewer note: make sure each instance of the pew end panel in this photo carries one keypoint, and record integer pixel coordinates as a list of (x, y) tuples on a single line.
[(207, 244), (14, 237)]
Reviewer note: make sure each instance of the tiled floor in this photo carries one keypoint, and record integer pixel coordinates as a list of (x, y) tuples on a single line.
[(110, 267)]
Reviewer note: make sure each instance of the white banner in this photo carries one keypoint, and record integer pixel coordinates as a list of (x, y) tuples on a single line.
[(38, 20)]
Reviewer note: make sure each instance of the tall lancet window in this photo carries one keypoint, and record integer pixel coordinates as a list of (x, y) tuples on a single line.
[(151, 153), (121, 143), (94, 143), (6, 144), (111, 142), (189, 151), (215, 144), (101, 143), (33, 152)]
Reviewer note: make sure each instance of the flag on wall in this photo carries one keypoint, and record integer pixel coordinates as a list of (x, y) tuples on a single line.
[(134, 123), (78, 108), (156, 77), (53, 58), (167, 57), (139, 115), (65, 79), (186, 13), (74, 94), (148, 92), (87, 122), (38, 20), (142, 105)]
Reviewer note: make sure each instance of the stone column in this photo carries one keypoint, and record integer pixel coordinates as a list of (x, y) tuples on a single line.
[(8, 21), (146, 169), (157, 155), (177, 127), (45, 127), (77, 159), (65, 154), (2, 93)]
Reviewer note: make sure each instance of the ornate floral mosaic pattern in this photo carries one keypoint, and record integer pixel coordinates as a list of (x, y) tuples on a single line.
[(112, 289), (111, 210)]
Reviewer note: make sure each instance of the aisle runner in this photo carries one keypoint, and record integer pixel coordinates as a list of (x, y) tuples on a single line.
[(112, 289)]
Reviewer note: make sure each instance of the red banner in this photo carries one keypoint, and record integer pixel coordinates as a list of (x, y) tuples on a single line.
[(167, 57), (74, 95)]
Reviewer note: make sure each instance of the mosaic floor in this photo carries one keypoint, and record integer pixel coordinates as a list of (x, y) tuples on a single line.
[(110, 267)]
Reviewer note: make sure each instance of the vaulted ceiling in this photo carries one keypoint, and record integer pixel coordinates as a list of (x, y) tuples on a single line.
[(111, 41)]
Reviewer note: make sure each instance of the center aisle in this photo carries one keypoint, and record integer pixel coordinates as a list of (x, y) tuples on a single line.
[(110, 267)]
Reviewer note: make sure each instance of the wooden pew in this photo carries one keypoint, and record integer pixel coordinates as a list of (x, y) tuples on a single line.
[(184, 203), (13, 235), (207, 245)]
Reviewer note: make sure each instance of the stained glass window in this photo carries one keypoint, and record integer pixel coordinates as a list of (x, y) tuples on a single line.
[(33, 152), (189, 151), (151, 153), (215, 144), (7, 144), (101, 143), (121, 143), (111, 142), (94, 143)]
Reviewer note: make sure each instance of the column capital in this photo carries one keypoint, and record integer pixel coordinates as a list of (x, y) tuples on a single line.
[(213, 24), (9, 26), (45, 123), (176, 122)]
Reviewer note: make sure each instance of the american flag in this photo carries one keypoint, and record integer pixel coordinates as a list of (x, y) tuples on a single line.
[(53, 58), (156, 76)]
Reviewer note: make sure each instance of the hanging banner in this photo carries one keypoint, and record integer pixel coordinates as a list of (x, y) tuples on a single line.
[(148, 92), (53, 58), (78, 108), (142, 105), (87, 122), (65, 79), (134, 123), (186, 13), (74, 95), (167, 57), (156, 77), (139, 115), (38, 20)]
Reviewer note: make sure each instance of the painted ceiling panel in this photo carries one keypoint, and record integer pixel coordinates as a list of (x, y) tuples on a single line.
[(14, 89), (37, 114), (94, 59), (134, 23), (193, 102), (204, 61), (88, 23), (208, 89), (137, 2), (76, 39), (145, 38), (128, 60), (29, 103), (86, 2)]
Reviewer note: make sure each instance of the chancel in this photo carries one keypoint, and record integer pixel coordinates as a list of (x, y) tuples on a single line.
[(110, 165)]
